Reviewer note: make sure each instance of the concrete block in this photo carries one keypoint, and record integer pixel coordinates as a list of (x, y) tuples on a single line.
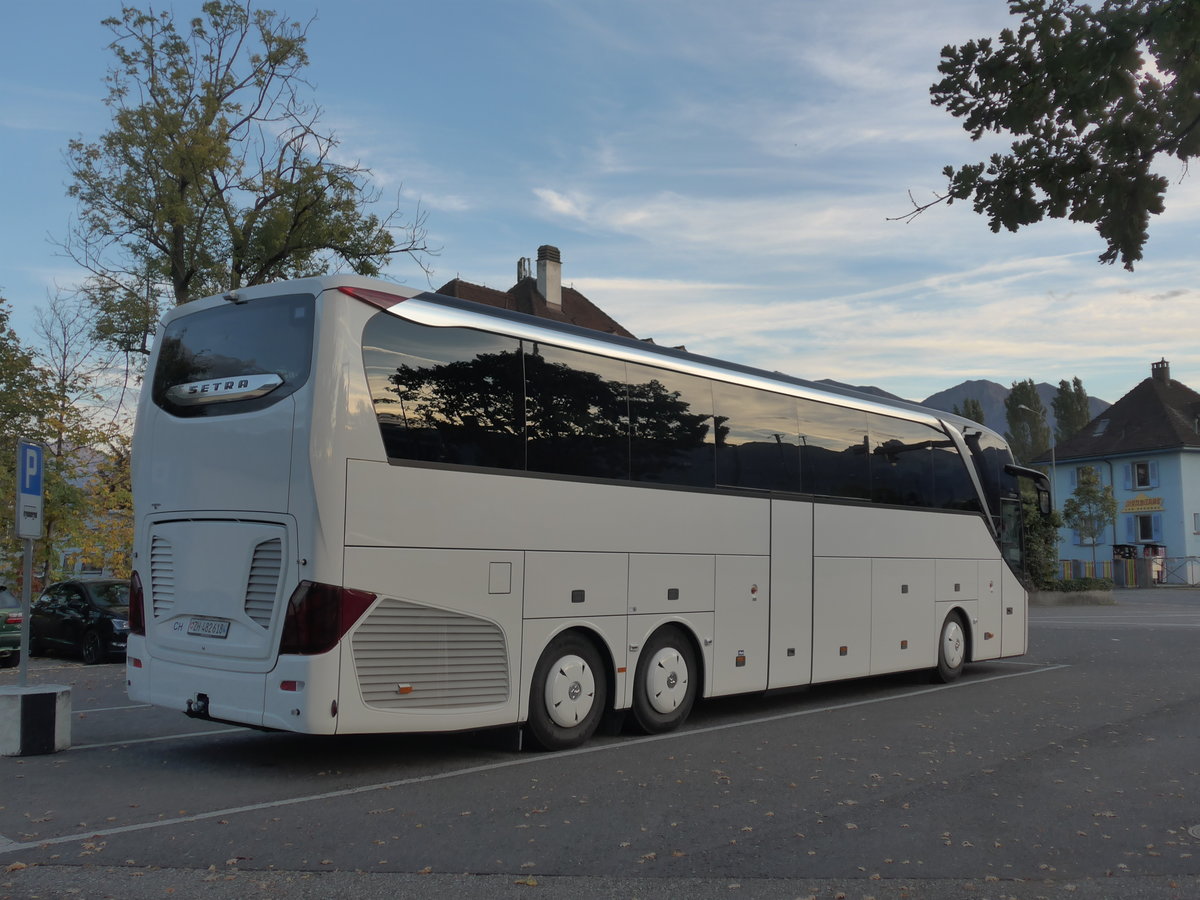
[(34, 719)]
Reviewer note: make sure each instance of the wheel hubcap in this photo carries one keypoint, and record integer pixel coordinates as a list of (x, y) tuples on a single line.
[(570, 691), (667, 680), (953, 645)]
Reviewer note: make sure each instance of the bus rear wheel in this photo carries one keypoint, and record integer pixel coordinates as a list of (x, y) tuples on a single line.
[(666, 682), (568, 694), (952, 649)]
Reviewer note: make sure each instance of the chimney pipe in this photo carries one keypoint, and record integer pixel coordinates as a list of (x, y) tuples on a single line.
[(1161, 372), (549, 276)]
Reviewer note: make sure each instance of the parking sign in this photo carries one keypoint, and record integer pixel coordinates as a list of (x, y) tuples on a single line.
[(30, 458)]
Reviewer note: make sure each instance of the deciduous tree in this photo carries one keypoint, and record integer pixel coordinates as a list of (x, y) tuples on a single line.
[(1091, 509), (216, 173), (1094, 96)]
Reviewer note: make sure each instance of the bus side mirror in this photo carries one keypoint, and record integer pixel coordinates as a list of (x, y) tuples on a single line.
[(1043, 497)]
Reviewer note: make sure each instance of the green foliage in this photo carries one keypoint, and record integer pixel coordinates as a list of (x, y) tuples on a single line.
[(1041, 541), (1093, 97), (1028, 434), (1070, 410), (214, 175), (1079, 585), (1092, 508), (46, 396), (971, 409)]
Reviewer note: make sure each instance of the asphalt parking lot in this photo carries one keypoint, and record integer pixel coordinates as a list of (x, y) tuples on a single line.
[(1073, 771)]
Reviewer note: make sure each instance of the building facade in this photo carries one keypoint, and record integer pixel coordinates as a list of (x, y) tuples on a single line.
[(1146, 446)]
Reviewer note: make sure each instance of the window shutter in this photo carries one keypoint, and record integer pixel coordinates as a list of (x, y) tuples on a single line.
[(1130, 528), (1153, 467), (1156, 524), (1074, 478), (1128, 476), (1075, 538)]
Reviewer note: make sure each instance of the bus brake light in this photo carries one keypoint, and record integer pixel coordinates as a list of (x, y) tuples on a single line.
[(319, 615)]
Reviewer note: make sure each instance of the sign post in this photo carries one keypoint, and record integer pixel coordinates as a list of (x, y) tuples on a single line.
[(32, 719), (30, 526)]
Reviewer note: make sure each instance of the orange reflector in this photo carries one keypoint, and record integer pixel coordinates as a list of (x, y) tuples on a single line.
[(621, 671), (404, 689)]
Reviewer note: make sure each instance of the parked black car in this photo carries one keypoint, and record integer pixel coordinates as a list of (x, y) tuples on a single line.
[(90, 618)]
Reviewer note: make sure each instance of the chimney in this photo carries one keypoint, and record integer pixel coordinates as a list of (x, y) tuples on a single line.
[(1161, 372), (549, 276)]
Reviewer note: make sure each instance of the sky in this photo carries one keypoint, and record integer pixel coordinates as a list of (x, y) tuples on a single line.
[(715, 174)]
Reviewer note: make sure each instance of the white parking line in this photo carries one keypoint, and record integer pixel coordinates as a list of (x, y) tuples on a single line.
[(84, 709), (7, 845)]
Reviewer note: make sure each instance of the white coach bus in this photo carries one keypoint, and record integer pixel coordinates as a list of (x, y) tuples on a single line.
[(363, 508)]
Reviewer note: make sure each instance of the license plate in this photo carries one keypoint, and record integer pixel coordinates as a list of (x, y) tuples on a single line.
[(214, 628)]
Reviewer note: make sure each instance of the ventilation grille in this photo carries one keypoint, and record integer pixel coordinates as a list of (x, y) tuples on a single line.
[(413, 657), (263, 585), (162, 577)]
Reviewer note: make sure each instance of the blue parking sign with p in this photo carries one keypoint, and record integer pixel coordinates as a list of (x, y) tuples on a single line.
[(30, 462), (31, 469)]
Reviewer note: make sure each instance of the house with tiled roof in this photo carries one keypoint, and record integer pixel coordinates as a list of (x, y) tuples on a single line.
[(541, 295), (1147, 447)]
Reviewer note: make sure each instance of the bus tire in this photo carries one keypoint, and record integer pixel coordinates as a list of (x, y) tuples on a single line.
[(568, 695), (952, 649), (666, 682)]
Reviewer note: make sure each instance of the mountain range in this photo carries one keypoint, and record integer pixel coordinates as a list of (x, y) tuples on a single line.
[(991, 397)]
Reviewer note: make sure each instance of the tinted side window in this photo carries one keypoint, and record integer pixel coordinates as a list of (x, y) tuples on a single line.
[(448, 395), (901, 462), (757, 438), (834, 451), (576, 413), (952, 485), (671, 421)]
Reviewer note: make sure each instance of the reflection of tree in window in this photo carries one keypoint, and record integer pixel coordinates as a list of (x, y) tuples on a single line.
[(465, 411), (576, 413), (672, 436)]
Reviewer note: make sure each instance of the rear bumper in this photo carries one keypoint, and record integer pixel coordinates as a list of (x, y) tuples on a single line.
[(299, 694)]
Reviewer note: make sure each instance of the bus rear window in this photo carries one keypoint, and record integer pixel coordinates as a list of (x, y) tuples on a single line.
[(235, 358)]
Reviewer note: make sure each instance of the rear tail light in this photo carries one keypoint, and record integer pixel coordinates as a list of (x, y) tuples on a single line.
[(13, 619), (319, 615), (137, 606)]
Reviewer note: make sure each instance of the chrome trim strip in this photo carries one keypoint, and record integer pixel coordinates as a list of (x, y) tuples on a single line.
[(222, 390), (435, 315)]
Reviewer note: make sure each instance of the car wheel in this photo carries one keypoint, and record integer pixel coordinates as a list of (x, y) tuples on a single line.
[(11, 660), (92, 648)]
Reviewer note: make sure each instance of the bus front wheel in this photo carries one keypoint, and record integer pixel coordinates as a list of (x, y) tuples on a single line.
[(666, 682), (568, 694), (952, 649)]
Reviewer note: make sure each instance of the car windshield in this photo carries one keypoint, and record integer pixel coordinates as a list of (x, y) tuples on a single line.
[(114, 594)]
